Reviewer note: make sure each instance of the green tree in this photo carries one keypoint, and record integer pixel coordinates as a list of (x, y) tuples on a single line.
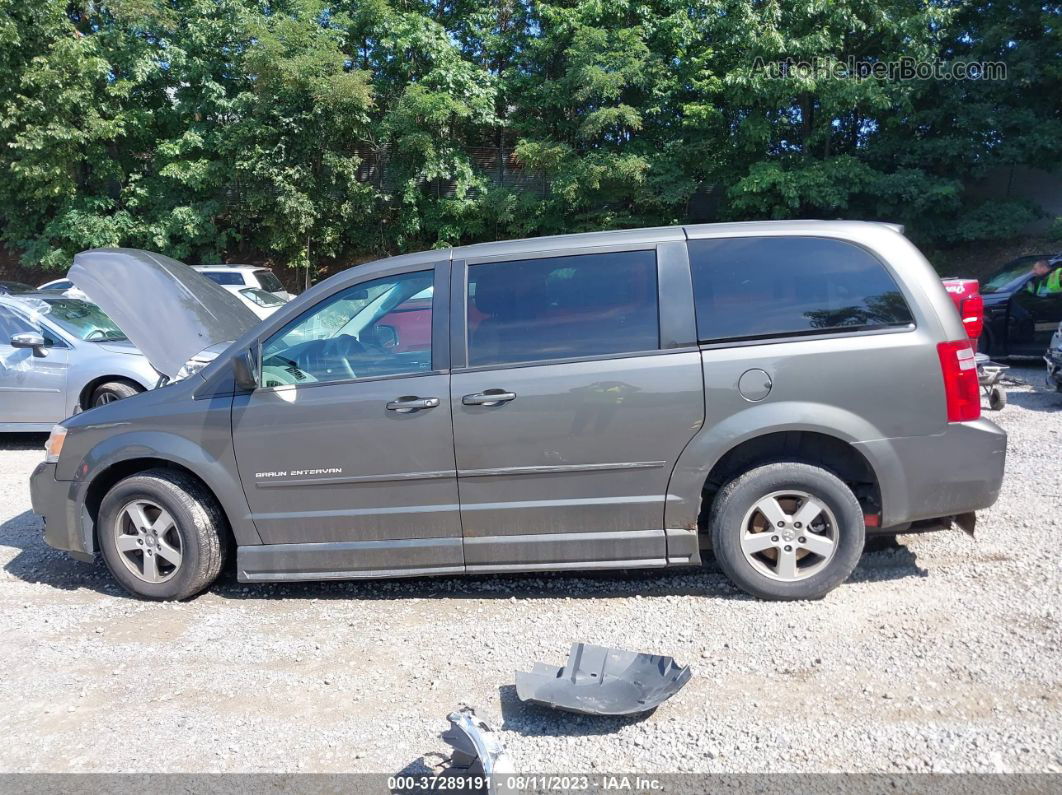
[(313, 132), (71, 121), (296, 130)]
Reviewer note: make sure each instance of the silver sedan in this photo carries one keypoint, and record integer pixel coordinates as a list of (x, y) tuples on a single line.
[(59, 356)]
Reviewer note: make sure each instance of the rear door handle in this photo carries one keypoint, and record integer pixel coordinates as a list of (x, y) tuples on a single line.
[(404, 405), (492, 397)]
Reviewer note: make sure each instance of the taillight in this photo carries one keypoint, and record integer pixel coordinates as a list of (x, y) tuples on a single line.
[(961, 389), (973, 316)]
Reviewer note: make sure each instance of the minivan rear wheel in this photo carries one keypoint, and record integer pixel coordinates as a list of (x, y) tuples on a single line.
[(162, 534), (787, 531)]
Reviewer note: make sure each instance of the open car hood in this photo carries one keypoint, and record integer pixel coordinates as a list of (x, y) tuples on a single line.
[(169, 311)]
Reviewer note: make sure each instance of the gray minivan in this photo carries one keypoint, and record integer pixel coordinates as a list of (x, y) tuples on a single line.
[(773, 391)]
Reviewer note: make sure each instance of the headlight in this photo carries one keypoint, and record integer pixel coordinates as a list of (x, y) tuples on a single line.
[(54, 446), (195, 364)]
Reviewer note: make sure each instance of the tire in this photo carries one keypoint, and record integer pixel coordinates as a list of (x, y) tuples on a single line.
[(997, 398), (112, 391), (189, 545), (771, 572)]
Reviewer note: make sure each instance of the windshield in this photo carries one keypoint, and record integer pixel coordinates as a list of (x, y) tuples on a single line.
[(84, 320), (268, 281), (1010, 275), (261, 297)]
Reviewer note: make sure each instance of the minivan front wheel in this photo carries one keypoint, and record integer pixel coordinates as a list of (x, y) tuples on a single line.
[(112, 391), (162, 534), (787, 531)]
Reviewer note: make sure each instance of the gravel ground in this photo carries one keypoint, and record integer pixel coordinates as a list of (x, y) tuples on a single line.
[(941, 654)]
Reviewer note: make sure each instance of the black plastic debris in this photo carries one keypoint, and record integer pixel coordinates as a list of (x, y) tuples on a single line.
[(602, 681), (478, 756)]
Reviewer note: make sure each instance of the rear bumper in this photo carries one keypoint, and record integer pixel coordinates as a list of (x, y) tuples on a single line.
[(52, 500), (952, 473)]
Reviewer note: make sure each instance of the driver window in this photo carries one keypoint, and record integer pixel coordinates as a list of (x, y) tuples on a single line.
[(376, 328)]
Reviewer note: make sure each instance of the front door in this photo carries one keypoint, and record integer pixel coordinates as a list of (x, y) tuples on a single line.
[(32, 387), (1034, 317), (568, 417), (346, 451)]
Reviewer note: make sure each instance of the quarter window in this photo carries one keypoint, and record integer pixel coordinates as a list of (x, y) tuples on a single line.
[(268, 281), (562, 307), (377, 328), (749, 287), (225, 277)]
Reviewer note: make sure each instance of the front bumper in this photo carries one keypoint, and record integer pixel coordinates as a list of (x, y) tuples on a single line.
[(1053, 360), (947, 474), (63, 528)]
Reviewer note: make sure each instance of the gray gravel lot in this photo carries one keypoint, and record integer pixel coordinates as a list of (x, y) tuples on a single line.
[(940, 654)]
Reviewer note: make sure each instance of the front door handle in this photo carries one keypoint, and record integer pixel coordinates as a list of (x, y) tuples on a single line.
[(404, 405), (492, 397)]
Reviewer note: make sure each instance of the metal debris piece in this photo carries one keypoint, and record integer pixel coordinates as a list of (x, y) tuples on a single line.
[(478, 754), (602, 681)]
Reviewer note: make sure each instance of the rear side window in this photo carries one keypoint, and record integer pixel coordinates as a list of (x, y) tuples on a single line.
[(225, 277), (268, 281), (752, 287), (562, 307)]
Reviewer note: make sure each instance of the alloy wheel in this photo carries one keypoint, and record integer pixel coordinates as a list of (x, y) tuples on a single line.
[(148, 541), (789, 535)]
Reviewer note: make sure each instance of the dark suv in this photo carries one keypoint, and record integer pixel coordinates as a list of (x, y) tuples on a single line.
[(1018, 322), (604, 401)]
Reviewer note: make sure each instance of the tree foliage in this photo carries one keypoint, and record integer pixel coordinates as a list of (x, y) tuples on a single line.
[(311, 131)]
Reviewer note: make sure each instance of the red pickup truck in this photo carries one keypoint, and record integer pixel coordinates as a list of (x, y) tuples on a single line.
[(966, 295)]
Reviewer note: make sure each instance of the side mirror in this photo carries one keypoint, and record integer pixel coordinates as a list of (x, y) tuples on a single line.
[(244, 371), (386, 337), (31, 340)]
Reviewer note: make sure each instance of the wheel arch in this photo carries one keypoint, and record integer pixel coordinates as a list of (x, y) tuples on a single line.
[(85, 395), (120, 456), (816, 448), (98, 488), (768, 433)]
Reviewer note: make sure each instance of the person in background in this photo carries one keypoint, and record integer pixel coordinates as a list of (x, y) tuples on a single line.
[(1045, 280)]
